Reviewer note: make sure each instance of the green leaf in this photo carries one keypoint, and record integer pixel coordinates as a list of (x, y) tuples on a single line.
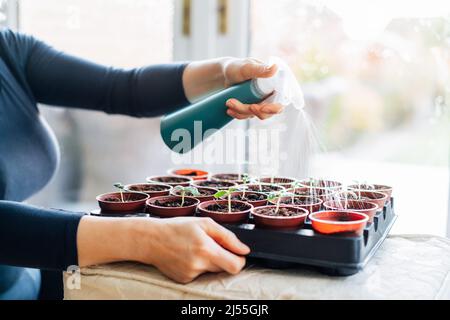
[(220, 194), (192, 190)]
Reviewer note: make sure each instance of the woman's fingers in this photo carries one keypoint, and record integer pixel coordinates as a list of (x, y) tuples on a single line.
[(252, 69), (225, 260), (225, 238), (240, 110)]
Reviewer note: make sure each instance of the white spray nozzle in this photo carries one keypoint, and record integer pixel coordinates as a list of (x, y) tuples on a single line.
[(284, 85)]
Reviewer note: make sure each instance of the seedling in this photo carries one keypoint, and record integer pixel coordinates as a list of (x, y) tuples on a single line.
[(246, 179), (278, 195), (227, 193), (184, 190), (120, 187)]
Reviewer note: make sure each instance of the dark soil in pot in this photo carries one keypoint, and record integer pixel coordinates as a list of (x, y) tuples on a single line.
[(264, 188), (218, 210), (255, 198), (309, 203), (171, 180), (170, 206), (152, 189), (220, 185), (283, 181), (206, 193), (232, 177)]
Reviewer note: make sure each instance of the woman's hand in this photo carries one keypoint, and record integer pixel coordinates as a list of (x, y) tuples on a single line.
[(181, 248), (203, 77), (239, 70), (184, 248)]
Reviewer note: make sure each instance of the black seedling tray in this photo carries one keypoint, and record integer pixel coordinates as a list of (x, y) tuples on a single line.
[(336, 255)]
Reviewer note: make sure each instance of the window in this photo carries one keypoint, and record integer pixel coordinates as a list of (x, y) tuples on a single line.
[(376, 82), (121, 33)]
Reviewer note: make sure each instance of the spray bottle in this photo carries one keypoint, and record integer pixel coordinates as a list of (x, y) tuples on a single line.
[(183, 129)]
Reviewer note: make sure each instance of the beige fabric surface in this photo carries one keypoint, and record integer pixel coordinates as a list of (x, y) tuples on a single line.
[(405, 267)]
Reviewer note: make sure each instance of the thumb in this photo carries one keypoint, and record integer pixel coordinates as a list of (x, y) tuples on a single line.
[(253, 70)]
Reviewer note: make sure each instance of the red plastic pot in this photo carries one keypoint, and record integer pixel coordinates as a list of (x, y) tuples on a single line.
[(170, 180), (169, 212), (343, 221), (136, 203), (219, 185), (313, 207), (375, 187), (224, 217), (140, 187), (195, 174), (279, 222), (255, 203), (368, 208), (285, 182), (313, 192), (202, 198), (379, 198)]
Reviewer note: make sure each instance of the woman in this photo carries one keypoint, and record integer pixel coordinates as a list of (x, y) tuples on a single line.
[(32, 72)]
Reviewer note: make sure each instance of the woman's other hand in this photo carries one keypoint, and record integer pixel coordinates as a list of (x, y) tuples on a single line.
[(203, 77)]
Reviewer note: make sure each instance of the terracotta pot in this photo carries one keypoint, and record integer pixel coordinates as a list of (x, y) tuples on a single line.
[(224, 217), (342, 221), (279, 222), (141, 187), (255, 203), (262, 187), (137, 203), (322, 187), (313, 207), (195, 174), (379, 198), (170, 180), (219, 185), (285, 182), (230, 177), (202, 198), (365, 207), (168, 212), (375, 187)]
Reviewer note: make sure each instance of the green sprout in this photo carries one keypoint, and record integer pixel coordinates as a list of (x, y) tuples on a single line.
[(227, 193), (184, 190), (278, 195), (120, 186)]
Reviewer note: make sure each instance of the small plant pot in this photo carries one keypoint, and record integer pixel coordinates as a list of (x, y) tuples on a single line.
[(170, 180), (309, 203), (112, 201), (256, 199), (195, 174), (374, 187), (219, 185), (262, 187), (322, 187), (218, 211), (230, 177), (206, 194), (342, 221), (379, 198), (170, 206), (287, 217), (152, 189), (285, 182), (368, 208)]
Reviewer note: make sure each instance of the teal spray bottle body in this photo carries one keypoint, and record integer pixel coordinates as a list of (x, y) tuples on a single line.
[(183, 129)]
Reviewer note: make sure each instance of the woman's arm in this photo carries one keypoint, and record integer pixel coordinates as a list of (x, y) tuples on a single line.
[(181, 248)]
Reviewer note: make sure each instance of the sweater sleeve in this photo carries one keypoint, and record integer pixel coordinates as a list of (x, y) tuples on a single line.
[(56, 78), (38, 238)]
